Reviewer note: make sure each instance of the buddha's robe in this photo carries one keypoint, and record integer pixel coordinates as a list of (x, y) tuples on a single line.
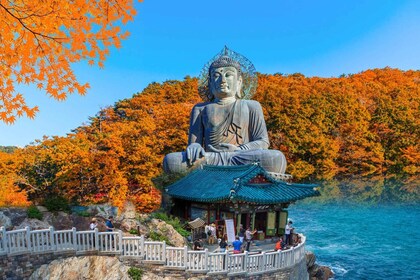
[(240, 123)]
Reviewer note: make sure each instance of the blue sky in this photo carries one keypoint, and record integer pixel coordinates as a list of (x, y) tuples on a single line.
[(173, 39)]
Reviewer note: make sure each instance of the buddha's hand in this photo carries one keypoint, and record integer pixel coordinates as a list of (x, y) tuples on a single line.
[(194, 152), (224, 147)]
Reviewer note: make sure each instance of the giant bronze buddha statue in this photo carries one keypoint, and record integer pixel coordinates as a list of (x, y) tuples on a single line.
[(227, 129)]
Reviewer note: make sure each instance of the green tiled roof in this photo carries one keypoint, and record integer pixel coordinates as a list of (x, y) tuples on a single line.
[(231, 183)]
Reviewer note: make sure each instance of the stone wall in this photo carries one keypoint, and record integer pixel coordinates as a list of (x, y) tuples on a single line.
[(22, 266), (296, 272)]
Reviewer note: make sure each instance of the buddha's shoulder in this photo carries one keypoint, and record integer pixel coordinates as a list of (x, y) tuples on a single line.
[(201, 106), (252, 104)]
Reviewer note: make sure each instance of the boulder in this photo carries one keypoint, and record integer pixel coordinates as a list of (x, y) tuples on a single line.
[(5, 221), (14, 215), (103, 210), (128, 212), (129, 224), (91, 267), (310, 259), (327, 272), (33, 224), (162, 228), (317, 272), (42, 209), (59, 220)]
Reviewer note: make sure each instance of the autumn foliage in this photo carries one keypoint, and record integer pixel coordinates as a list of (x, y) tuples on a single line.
[(10, 193), (361, 124), (41, 39)]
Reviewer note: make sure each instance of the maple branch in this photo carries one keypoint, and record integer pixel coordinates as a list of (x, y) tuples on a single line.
[(28, 184), (37, 15), (55, 39)]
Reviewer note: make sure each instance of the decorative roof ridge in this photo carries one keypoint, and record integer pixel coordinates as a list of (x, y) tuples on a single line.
[(297, 185), (255, 171), (230, 168)]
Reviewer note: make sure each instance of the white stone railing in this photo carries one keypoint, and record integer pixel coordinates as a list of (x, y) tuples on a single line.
[(25, 241)]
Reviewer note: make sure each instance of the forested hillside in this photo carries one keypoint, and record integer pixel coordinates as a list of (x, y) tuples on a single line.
[(361, 124)]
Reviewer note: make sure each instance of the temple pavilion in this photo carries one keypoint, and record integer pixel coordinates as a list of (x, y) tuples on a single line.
[(246, 193)]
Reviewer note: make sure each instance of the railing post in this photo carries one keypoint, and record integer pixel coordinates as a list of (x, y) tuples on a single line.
[(120, 242), (185, 256), (245, 268), (226, 259), (75, 245), (206, 258), (96, 238), (3, 239), (279, 256), (142, 247), (28, 239), (53, 248), (164, 251), (293, 255), (264, 262)]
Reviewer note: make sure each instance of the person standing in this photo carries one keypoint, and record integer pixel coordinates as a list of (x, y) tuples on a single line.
[(93, 224), (198, 245), (241, 233), (223, 245), (109, 224), (288, 231), (248, 237), (211, 233), (237, 244)]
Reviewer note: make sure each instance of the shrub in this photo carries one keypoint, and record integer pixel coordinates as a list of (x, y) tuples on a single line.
[(173, 221), (34, 213), (155, 236), (56, 203), (83, 214), (133, 231), (135, 273)]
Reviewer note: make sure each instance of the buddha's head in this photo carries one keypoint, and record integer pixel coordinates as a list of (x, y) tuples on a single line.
[(225, 78), (227, 75)]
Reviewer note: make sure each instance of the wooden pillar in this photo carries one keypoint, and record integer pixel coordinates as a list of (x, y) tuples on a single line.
[(253, 219), (248, 220), (208, 214), (238, 222)]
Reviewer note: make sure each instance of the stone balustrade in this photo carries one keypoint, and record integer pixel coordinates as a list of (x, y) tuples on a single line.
[(37, 242)]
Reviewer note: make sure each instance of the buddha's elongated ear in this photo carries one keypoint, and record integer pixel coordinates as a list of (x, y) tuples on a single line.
[(239, 87)]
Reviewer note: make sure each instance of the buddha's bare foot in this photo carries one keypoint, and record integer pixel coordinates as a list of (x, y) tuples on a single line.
[(199, 162)]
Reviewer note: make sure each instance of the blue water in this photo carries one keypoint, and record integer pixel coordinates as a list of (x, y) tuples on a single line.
[(362, 241)]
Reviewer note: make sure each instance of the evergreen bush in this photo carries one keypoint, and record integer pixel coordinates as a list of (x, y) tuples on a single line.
[(135, 273), (84, 214), (57, 203), (155, 236), (173, 221), (133, 231), (34, 213)]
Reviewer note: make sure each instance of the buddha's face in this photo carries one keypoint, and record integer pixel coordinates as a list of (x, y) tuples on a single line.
[(224, 82)]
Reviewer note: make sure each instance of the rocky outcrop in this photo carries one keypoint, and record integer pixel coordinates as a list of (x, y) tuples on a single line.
[(12, 216), (92, 267), (127, 220), (103, 267), (5, 221), (317, 272), (33, 224), (163, 228)]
